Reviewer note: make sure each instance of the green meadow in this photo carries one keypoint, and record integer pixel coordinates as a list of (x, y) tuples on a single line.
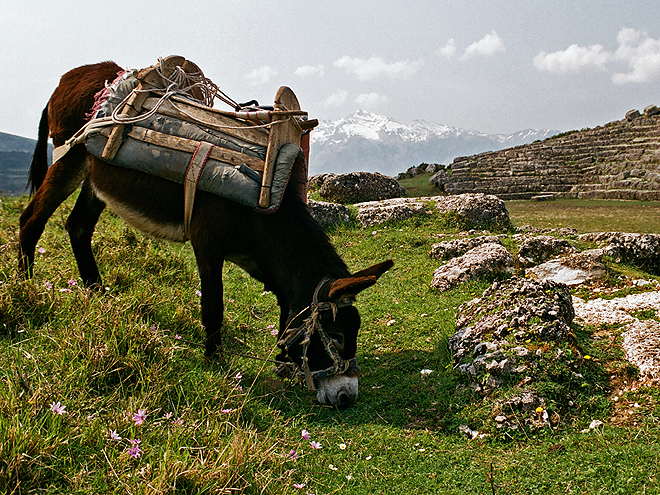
[(106, 392)]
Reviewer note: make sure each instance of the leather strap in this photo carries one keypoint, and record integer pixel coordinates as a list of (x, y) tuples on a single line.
[(190, 183)]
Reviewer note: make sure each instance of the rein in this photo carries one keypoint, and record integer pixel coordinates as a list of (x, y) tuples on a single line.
[(311, 325)]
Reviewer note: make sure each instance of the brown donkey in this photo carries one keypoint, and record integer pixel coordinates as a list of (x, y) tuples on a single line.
[(287, 250)]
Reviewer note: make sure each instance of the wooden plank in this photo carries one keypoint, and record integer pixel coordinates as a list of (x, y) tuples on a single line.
[(210, 119), (132, 108), (285, 130), (189, 145)]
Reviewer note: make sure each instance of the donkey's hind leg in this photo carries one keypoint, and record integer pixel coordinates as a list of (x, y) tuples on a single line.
[(62, 179), (80, 226)]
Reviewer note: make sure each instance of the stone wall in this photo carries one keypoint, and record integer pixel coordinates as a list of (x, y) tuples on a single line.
[(620, 160)]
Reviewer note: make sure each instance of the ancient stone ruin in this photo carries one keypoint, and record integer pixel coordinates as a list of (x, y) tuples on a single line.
[(620, 160)]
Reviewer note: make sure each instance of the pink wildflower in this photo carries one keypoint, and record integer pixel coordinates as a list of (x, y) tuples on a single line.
[(72, 282), (135, 450), (198, 293), (48, 285), (41, 250), (167, 415), (299, 486), (140, 416), (114, 435), (293, 454), (304, 434), (226, 411), (315, 445), (57, 408), (177, 336)]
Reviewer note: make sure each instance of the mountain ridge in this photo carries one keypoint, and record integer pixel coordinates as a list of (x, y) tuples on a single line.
[(370, 142)]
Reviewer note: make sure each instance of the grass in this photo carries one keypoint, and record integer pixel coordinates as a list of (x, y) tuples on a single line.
[(419, 186), (232, 429), (588, 215)]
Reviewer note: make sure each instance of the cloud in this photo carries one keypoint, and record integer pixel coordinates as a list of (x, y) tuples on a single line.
[(370, 100), (367, 69), (310, 71), (261, 75), (573, 59), (336, 99), (636, 49), (449, 50), (641, 53), (487, 46)]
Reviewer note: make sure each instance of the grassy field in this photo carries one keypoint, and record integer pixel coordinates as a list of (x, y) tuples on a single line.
[(588, 215), (121, 364)]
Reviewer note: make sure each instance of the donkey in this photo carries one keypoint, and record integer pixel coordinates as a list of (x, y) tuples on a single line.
[(287, 250)]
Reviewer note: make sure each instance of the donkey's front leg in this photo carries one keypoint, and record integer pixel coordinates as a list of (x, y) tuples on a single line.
[(210, 275)]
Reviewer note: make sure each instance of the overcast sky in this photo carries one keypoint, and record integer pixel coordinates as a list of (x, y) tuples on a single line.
[(491, 66)]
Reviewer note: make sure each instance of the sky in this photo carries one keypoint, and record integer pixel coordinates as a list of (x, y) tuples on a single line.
[(489, 66)]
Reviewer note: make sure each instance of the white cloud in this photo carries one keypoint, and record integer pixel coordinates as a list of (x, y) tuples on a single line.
[(449, 50), (573, 59), (636, 49), (370, 100), (487, 46), (336, 99), (641, 53), (261, 75), (367, 69), (310, 71)]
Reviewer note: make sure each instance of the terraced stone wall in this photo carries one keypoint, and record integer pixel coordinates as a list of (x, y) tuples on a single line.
[(620, 160)]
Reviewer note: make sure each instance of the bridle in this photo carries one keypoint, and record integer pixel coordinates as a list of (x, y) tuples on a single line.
[(310, 326)]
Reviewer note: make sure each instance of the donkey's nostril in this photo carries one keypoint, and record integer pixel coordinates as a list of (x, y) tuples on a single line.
[(343, 400)]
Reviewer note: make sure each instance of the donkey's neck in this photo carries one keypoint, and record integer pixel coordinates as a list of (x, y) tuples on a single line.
[(299, 255)]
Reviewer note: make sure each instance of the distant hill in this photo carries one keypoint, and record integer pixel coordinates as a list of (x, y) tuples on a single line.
[(15, 157)]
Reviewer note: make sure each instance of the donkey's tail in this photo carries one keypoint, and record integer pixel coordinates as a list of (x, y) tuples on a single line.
[(39, 165)]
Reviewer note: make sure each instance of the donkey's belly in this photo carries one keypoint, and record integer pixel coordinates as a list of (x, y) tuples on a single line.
[(150, 204), (170, 231)]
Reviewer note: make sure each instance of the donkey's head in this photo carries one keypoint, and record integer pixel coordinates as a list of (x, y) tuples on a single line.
[(322, 340)]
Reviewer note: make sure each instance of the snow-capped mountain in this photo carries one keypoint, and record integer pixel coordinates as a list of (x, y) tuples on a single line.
[(370, 142)]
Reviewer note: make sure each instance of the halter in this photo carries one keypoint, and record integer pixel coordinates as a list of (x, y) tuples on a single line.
[(311, 325)]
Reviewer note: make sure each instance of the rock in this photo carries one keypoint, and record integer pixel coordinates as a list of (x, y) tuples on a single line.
[(479, 210), (458, 247), (328, 214), (571, 270), (357, 187), (632, 114), (641, 343), (543, 197), (641, 250), (651, 110), (315, 182), (487, 259), (515, 307), (535, 250), (562, 231), (439, 179), (393, 210)]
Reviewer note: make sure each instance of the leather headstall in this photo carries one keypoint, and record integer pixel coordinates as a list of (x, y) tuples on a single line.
[(310, 326)]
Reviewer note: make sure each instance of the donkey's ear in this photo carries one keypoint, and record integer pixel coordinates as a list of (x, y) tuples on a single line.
[(359, 281), (376, 270)]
